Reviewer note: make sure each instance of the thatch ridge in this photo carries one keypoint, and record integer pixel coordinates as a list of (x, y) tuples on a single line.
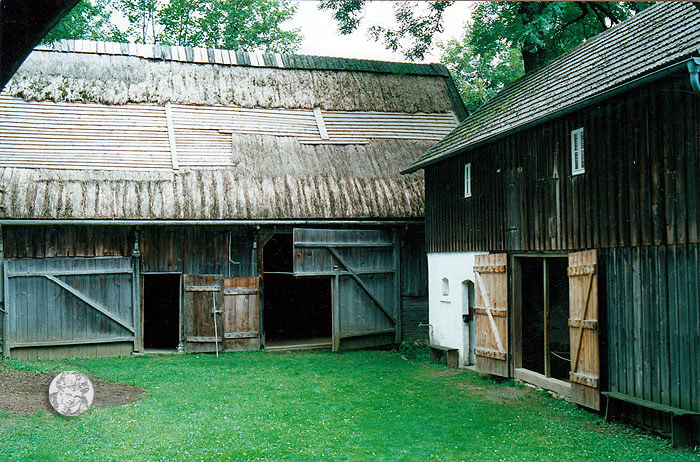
[(107, 79)]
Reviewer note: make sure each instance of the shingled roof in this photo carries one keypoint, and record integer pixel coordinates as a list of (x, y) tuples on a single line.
[(100, 131), (659, 36)]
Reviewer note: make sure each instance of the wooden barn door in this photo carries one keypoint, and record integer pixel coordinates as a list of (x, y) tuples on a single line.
[(203, 297), (241, 313), (491, 314), (583, 328), (364, 266), (60, 302)]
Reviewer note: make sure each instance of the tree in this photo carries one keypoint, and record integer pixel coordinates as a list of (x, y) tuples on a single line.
[(479, 75), (502, 41), (88, 20), (241, 24)]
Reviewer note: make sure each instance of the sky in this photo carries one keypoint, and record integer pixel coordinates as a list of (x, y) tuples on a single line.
[(321, 37)]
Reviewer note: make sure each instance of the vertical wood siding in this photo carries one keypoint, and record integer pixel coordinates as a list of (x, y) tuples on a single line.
[(652, 296), (180, 249), (640, 185), (414, 285)]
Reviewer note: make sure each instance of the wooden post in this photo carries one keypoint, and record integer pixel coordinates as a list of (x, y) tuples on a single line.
[(136, 293), (3, 300), (545, 302), (336, 310), (397, 285)]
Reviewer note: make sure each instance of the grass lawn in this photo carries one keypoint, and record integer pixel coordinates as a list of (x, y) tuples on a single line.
[(366, 406)]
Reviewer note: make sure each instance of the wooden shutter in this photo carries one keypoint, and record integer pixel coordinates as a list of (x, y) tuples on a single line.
[(491, 314), (241, 313), (583, 328), (203, 295)]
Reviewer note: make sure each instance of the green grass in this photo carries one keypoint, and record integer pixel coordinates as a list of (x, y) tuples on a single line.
[(363, 406)]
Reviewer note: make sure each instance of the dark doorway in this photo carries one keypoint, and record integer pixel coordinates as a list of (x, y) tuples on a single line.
[(161, 311), (544, 300), (295, 309), (533, 314)]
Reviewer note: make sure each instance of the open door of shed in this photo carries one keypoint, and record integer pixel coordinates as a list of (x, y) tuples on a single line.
[(491, 314), (203, 296), (583, 328), (364, 267)]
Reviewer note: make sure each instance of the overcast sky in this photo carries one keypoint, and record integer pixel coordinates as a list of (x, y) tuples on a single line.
[(321, 35)]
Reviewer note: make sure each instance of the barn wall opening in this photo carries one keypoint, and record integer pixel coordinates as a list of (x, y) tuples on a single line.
[(161, 311), (544, 330), (296, 310)]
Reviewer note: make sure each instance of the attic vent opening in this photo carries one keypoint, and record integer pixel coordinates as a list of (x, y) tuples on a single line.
[(577, 166)]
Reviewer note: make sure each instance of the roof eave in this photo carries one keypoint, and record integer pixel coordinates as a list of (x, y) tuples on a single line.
[(636, 82)]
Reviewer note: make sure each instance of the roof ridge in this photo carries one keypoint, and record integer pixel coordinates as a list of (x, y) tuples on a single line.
[(222, 56)]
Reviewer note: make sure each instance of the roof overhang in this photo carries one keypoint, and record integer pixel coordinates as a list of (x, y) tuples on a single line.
[(686, 64), (23, 23)]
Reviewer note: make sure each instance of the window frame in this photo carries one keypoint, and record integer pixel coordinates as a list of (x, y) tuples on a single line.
[(467, 180), (577, 169)]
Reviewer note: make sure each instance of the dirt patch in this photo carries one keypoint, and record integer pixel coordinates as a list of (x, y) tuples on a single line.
[(27, 392)]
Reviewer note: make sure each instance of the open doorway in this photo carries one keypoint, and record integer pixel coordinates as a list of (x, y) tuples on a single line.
[(161, 311), (543, 329), (296, 310)]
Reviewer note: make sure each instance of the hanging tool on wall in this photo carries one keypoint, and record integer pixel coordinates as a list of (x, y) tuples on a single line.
[(216, 330)]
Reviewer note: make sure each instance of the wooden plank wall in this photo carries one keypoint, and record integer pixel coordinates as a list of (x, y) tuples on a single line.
[(414, 284), (640, 186), (198, 250), (177, 249), (652, 296)]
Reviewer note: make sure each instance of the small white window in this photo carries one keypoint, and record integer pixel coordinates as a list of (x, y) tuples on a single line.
[(467, 180), (445, 290), (577, 166)]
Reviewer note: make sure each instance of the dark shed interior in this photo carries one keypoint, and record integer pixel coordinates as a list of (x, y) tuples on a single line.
[(161, 310), (294, 308)]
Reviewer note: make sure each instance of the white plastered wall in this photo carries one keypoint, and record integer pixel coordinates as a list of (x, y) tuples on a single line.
[(446, 325)]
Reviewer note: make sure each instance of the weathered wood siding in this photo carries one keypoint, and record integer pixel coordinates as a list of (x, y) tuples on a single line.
[(69, 301), (640, 186), (414, 285), (652, 296), (198, 250), (176, 249)]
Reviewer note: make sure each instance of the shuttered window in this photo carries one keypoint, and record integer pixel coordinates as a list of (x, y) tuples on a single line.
[(467, 180), (577, 152)]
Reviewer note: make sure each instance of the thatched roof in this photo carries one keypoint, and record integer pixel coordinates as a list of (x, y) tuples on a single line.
[(663, 34), (87, 135)]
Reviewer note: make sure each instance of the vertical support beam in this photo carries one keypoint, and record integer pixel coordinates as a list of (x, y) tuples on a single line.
[(181, 319), (515, 299), (397, 285), (7, 307), (171, 135), (3, 299), (136, 292), (336, 310), (545, 302), (320, 123)]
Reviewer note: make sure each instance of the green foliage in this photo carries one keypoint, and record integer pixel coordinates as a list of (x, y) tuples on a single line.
[(243, 24), (89, 20), (355, 406), (542, 31), (480, 75), (416, 29)]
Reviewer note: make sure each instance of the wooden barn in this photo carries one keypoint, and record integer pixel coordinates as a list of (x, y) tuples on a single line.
[(562, 224), (156, 197)]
